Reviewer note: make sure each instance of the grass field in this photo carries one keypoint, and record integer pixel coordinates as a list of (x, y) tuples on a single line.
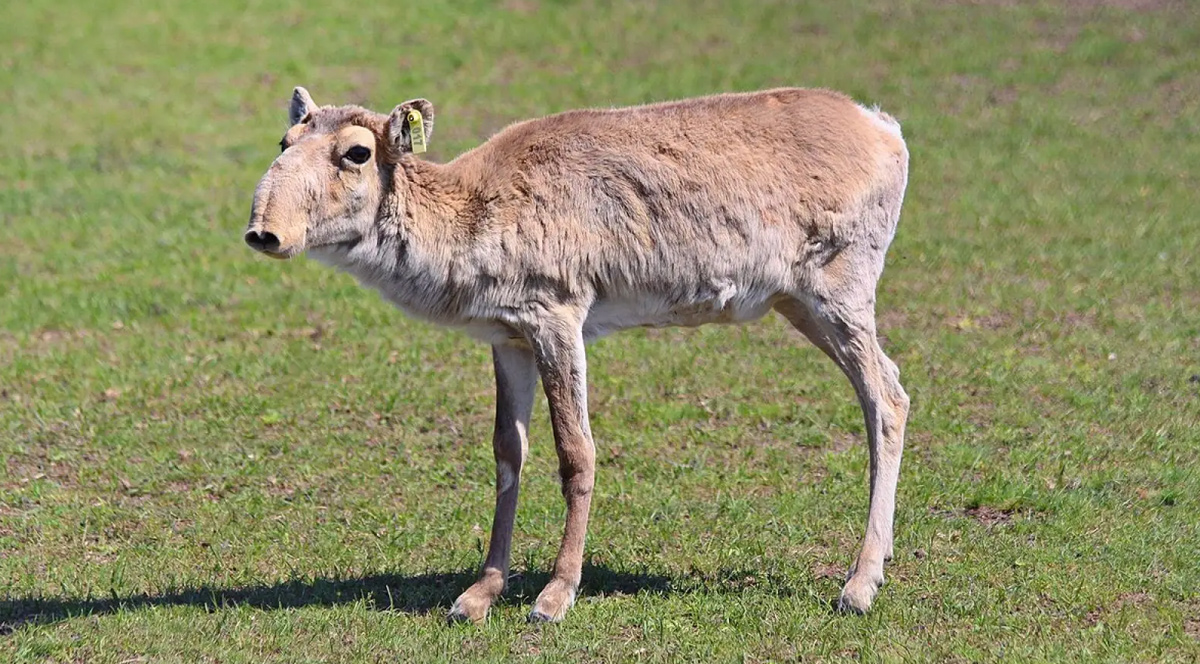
[(209, 456)]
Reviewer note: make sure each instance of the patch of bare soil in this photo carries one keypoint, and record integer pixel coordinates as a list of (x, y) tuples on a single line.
[(828, 571), (843, 442), (889, 318), (1176, 97), (1136, 600), (24, 468), (990, 516), (985, 514)]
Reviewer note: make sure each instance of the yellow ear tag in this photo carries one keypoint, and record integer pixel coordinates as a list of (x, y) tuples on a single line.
[(416, 131)]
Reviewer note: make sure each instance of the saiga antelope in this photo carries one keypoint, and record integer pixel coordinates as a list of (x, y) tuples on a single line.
[(565, 228)]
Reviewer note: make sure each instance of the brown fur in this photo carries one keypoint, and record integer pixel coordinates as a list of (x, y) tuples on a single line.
[(568, 227)]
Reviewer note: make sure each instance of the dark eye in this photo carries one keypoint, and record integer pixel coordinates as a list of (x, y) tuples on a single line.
[(358, 154)]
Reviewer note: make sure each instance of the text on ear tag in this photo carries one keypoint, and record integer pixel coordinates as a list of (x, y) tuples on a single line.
[(416, 131)]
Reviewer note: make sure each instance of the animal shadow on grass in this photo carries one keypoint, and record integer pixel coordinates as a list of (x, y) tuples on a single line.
[(415, 594)]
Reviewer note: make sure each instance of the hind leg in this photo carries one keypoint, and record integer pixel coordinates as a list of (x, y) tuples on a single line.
[(846, 333)]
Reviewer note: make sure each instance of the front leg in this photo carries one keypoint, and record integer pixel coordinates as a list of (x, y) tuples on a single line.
[(516, 378), (563, 365)]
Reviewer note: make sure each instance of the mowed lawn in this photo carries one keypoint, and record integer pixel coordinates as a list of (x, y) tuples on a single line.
[(210, 456)]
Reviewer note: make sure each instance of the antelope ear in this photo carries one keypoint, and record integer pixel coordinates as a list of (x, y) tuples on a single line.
[(302, 105), (400, 133)]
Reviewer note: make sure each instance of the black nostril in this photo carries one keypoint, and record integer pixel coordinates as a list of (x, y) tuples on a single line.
[(262, 241)]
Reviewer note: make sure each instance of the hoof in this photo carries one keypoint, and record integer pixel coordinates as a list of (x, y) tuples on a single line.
[(536, 616), (468, 609), (552, 603), (458, 617), (858, 594)]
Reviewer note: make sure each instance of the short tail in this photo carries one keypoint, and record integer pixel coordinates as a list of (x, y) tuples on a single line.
[(883, 120)]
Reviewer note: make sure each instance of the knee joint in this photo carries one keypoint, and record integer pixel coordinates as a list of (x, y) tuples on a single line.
[(578, 484)]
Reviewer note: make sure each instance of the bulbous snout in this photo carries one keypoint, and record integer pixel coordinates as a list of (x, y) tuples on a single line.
[(264, 241), (284, 202), (276, 227)]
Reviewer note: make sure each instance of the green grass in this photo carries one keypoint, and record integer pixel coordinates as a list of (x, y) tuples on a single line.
[(213, 457)]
